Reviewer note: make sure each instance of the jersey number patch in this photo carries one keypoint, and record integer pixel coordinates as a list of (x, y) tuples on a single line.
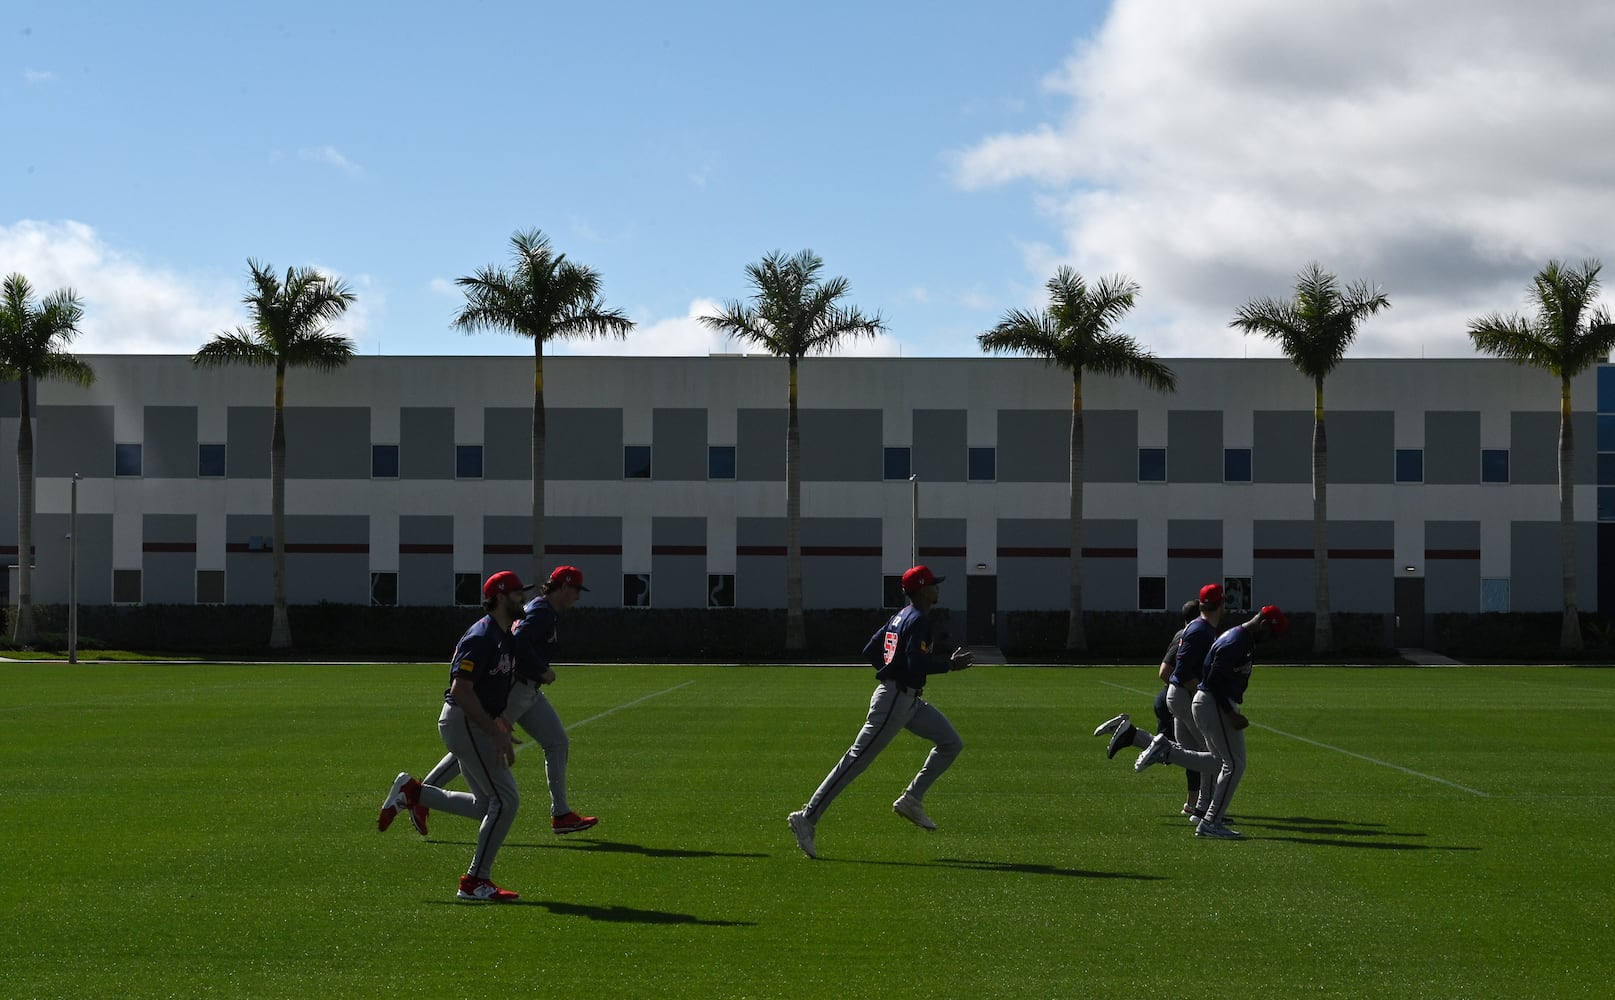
[(890, 647)]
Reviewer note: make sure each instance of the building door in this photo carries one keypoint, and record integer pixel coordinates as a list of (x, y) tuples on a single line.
[(1409, 612), (981, 610)]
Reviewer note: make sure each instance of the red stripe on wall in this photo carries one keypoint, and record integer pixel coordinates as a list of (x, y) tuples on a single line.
[(1194, 553), (424, 549), (309, 548), (492, 549), (168, 547), (1027, 552), (809, 550), (678, 550), (1333, 554), (1451, 554), (943, 550)]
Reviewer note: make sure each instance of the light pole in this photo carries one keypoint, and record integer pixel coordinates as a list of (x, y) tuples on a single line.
[(914, 522), (73, 573)]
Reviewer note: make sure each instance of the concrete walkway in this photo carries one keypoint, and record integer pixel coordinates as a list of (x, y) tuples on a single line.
[(1425, 658), (990, 655)]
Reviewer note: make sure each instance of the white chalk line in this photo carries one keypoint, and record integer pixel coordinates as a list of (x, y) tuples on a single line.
[(627, 704), (1342, 750)]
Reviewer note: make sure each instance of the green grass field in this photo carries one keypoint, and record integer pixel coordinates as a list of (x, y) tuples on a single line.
[(204, 830)]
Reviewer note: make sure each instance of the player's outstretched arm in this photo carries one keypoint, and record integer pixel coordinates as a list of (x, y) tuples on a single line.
[(962, 659)]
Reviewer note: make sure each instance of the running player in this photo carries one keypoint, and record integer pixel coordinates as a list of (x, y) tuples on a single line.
[(902, 657), (480, 678), (1220, 716), (535, 635)]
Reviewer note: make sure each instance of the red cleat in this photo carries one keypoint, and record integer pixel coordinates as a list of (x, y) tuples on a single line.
[(573, 823), (482, 890), (402, 795)]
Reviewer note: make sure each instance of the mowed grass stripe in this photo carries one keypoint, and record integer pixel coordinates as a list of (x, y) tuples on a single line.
[(209, 830)]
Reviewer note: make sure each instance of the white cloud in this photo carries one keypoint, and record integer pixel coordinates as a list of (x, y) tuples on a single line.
[(687, 336), (33, 77), (331, 157), (130, 307), (1211, 150), (444, 287)]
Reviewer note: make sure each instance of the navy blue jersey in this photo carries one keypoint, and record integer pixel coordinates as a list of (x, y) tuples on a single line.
[(535, 638), (1193, 646), (1228, 666), (487, 655), (901, 650)]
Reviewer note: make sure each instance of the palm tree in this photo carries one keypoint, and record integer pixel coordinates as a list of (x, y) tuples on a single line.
[(544, 297), (1314, 330), (287, 329), (1565, 338), (793, 313), (32, 342), (1075, 334)]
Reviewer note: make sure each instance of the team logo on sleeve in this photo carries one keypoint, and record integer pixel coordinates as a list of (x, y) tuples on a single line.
[(466, 664), (890, 647)]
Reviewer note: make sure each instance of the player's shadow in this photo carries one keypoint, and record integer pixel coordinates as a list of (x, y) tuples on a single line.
[(1005, 867), (617, 847), (607, 914), (1318, 827), (1365, 845)]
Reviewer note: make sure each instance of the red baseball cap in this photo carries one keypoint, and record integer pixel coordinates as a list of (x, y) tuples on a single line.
[(919, 576), (568, 576), (1211, 594), (502, 582), (1276, 618)]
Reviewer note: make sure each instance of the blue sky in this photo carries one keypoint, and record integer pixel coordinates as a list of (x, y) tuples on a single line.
[(944, 157)]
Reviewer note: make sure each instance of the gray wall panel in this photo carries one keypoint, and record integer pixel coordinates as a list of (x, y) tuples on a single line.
[(340, 574), (426, 529), (168, 528), (426, 580), (679, 448), (1537, 581), (168, 447), (426, 442), (584, 443), (760, 447), (1362, 446), (1534, 448), (1194, 446), (592, 544), (1451, 447), (679, 559), (168, 578), (249, 577), (1281, 447), (940, 446), (1110, 454), (507, 443), (327, 442), (842, 446), (94, 558), (1193, 558), (1451, 566), (69, 439), (1034, 446), (760, 573), (11, 398), (248, 430)]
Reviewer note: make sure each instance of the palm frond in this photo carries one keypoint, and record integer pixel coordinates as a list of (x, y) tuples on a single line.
[(238, 347), (1563, 338)]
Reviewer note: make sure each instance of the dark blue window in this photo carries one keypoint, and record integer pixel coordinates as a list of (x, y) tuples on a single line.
[(1606, 388), (1236, 465), (1606, 470), (211, 461), (721, 463), (636, 461), (1152, 593), (126, 460), (468, 461), (1410, 465), (983, 464), (1606, 432), (897, 463), (1494, 465), (384, 461), (1606, 503), (1152, 465)]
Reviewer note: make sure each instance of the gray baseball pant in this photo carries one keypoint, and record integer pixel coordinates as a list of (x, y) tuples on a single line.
[(493, 797), (892, 708), (1227, 744), (529, 709)]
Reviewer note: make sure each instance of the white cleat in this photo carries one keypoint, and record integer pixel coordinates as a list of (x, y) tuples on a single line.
[(1112, 725), (803, 828), (908, 807), (1155, 753), (1217, 831)]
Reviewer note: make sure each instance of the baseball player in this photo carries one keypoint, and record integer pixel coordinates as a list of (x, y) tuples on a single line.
[(1121, 728), (1220, 716), (900, 651), (1194, 644), (480, 679), (535, 634)]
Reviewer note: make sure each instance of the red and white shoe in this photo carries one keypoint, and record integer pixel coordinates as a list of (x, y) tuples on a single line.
[(572, 823), (417, 817), (483, 890), (404, 793)]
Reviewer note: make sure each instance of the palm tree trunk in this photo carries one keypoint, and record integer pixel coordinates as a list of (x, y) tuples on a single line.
[(280, 630), (795, 630), (539, 432), (1570, 627), (24, 632), (1076, 636), (1323, 633)]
